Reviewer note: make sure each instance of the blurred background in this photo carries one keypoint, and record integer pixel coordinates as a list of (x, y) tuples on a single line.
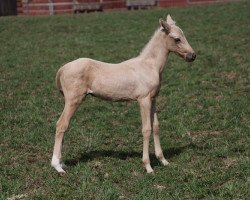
[(54, 7)]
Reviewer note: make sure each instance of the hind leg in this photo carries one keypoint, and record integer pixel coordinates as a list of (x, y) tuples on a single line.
[(71, 106)]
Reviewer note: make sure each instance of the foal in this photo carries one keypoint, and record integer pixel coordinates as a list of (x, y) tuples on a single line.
[(136, 79)]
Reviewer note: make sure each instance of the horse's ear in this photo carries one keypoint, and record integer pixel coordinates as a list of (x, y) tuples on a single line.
[(170, 21), (164, 25)]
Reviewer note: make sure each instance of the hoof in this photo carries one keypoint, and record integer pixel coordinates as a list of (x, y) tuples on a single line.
[(62, 173), (58, 168), (57, 165), (149, 169), (165, 162)]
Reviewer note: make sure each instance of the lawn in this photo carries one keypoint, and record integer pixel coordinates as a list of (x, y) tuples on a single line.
[(204, 108)]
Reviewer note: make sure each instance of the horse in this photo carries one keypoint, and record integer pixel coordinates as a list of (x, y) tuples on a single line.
[(137, 79)]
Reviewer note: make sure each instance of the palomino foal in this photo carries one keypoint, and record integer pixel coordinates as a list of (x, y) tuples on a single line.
[(136, 79)]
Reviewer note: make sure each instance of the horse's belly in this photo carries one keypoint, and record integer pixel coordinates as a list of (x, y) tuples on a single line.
[(123, 85), (114, 90)]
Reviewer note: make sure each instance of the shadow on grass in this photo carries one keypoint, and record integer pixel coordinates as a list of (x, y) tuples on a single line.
[(91, 155), (88, 156)]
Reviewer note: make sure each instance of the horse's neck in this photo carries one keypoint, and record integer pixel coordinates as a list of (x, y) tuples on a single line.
[(155, 52)]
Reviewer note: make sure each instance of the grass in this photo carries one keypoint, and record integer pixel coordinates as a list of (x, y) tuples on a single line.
[(203, 108)]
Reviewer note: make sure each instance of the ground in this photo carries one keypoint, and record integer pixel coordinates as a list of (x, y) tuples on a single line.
[(203, 108)]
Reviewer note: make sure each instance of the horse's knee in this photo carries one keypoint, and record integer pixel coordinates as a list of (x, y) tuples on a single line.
[(146, 132)]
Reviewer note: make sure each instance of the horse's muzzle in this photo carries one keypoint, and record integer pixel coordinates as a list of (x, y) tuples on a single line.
[(190, 57)]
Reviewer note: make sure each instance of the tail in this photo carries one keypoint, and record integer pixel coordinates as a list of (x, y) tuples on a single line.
[(58, 82)]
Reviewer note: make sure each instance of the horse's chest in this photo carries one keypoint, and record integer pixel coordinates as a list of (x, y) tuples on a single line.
[(149, 85)]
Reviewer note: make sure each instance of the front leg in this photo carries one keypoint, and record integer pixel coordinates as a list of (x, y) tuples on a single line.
[(145, 108), (158, 150)]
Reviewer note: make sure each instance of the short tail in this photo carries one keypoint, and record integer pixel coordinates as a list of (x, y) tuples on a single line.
[(58, 81)]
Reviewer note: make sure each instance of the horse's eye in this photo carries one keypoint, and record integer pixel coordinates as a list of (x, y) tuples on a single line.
[(177, 40)]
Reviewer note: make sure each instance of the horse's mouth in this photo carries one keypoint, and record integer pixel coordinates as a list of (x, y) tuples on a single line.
[(189, 57)]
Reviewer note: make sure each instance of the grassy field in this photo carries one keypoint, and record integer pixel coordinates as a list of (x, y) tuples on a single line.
[(203, 108)]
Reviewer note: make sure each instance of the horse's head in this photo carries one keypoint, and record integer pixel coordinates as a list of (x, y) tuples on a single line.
[(176, 39)]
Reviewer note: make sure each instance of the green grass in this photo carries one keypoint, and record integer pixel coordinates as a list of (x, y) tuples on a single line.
[(203, 108)]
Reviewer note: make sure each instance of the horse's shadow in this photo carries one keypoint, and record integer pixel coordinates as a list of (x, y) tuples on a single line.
[(122, 155)]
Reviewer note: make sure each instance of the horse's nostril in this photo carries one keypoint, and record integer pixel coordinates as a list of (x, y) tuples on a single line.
[(193, 56), (190, 57)]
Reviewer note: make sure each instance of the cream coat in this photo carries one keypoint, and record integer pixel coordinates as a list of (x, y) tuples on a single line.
[(137, 79)]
